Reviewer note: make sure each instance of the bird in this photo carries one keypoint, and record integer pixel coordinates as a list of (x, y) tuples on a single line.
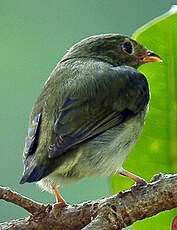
[(89, 114)]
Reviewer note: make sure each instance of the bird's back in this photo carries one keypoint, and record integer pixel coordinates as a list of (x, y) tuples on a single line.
[(77, 95)]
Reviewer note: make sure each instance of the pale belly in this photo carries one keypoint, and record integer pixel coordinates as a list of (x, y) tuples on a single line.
[(103, 155)]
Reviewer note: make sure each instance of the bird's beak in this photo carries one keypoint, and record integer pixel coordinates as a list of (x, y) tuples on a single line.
[(149, 56)]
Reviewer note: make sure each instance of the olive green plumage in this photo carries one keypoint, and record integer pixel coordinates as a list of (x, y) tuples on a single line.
[(89, 114)]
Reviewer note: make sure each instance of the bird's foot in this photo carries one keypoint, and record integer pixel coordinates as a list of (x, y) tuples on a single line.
[(60, 205), (57, 208), (138, 184), (139, 181), (60, 201)]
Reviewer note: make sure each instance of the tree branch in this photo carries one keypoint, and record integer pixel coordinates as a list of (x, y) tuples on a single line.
[(13, 197), (115, 212)]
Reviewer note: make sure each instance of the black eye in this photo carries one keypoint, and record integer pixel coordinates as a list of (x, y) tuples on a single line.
[(127, 47)]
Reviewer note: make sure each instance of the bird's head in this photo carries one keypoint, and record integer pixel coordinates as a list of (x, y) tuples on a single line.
[(115, 49)]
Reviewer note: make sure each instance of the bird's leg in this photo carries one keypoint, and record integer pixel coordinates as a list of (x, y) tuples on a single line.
[(132, 176), (60, 201)]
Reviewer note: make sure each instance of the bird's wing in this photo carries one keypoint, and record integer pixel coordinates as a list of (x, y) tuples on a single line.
[(32, 136), (98, 103)]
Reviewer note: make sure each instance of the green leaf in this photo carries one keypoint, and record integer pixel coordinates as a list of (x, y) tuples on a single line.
[(156, 151)]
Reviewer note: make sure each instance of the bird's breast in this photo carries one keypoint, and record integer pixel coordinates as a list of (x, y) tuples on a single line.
[(103, 155), (106, 153)]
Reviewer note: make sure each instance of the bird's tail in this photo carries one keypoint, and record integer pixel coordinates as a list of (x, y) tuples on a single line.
[(32, 174)]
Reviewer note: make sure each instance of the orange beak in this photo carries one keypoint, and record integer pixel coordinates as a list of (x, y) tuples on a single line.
[(149, 56)]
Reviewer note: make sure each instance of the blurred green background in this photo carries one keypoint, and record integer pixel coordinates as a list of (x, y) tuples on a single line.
[(34, 35), (157, 149)]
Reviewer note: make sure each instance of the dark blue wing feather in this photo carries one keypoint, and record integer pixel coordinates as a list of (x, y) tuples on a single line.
[(32, 137), (91, 112)]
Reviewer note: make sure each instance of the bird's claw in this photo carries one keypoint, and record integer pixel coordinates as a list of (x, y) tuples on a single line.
[(60, 205), (139, 184), (56, 208)]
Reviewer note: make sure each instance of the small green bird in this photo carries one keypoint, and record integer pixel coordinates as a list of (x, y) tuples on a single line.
[(90, 113)]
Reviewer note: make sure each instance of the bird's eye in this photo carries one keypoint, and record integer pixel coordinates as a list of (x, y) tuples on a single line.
[(127, 47)]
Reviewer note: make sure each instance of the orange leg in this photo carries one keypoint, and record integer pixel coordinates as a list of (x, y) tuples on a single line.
[(60, 201), (132, 176)]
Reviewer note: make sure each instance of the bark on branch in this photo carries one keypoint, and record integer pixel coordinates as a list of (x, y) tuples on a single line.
[(115, 212)]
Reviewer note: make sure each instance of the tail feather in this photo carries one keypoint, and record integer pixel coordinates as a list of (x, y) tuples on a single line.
[(33, 174)]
